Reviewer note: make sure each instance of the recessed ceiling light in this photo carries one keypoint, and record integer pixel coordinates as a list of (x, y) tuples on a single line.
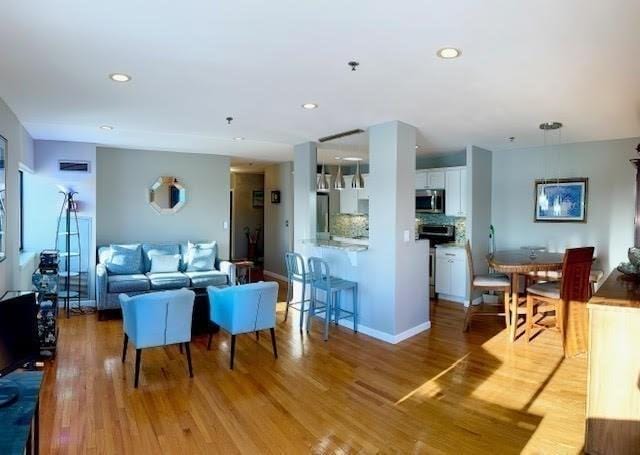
[(239, 138), (449, 52), (352, 158), (309, 106), (119, 77), (106, 127), (416, 147)]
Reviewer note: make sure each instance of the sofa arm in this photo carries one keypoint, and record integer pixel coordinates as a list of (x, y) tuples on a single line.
[(101, 286), (230, 269)]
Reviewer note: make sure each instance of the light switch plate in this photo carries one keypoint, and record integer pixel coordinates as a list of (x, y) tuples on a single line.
[(225, 225), (407, 235)]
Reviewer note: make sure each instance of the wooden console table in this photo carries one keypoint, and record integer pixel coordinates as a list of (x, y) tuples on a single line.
[(613, 390)]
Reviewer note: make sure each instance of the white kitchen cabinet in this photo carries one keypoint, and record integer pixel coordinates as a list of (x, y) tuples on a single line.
[(451, 272), (421, 180), (348, 197), (436, 179), (363, 193), (455, 197)]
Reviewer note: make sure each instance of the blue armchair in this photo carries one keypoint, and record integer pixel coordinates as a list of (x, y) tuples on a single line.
[(157, 319), (244, 309)]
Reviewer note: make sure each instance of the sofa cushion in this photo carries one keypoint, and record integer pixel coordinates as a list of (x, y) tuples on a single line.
[(128, 283), (124, 259), (208, 278), (174, 280), (151, 249), (164, 263), (201, 257)]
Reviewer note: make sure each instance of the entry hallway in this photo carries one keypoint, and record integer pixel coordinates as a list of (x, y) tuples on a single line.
[(442, 391)]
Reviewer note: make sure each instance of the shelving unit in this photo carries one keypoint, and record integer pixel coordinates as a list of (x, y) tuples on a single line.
[(70, 253)]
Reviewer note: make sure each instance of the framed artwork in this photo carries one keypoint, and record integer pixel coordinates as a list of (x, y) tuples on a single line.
[(561, 200), (275, 197), (257, 199)]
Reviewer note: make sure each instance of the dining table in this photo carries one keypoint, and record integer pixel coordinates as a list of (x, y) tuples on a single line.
[(517, 263)]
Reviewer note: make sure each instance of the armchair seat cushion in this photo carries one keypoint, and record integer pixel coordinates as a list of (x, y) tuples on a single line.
[(491, 280), (172, 280), (207, 278), (128, 283)]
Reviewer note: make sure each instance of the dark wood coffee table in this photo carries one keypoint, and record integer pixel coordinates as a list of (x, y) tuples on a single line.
[(201, 324)]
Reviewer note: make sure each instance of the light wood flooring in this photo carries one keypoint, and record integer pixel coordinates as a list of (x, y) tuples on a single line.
[(441, 391)]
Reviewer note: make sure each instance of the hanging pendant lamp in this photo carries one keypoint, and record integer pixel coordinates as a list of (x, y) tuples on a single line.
[(338, 184), (543, 200), (358, 181), (323, 183)]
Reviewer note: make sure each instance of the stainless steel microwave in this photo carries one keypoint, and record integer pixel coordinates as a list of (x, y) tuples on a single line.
[(430, 201)]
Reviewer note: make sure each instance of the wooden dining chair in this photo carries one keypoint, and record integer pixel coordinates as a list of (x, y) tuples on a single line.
[(574, 286), (490, 282)]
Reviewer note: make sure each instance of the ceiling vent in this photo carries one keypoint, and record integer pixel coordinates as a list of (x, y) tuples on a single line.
[(73, 166)]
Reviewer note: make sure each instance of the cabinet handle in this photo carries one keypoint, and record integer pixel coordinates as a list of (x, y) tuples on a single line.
[(449, 254)]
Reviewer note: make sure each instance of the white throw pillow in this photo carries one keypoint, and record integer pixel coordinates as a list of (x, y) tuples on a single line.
[(165, 263)]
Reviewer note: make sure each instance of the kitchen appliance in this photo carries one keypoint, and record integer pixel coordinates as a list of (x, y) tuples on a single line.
[(430, 201), (436, 234)]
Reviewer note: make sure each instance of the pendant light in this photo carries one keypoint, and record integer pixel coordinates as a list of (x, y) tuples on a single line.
[(338, 183), (543, 200), (323, 184), (358, 181)]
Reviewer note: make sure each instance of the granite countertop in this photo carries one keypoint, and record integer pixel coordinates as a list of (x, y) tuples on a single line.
[(337, 245), (450, 245)]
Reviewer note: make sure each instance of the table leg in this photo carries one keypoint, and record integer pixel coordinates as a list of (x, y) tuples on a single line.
[(515, 284)]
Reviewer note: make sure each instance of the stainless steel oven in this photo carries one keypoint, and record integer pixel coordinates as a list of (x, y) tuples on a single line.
[(430, 201), (436, 233)]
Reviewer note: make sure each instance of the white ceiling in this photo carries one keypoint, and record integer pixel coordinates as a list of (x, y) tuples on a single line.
[(194, 62)]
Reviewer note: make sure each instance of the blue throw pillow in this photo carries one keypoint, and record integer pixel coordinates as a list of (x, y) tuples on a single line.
[(165, 263), (124, 259), (201, 257)]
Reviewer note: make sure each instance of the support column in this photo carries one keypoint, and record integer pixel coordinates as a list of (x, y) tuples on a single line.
[(304, 193)]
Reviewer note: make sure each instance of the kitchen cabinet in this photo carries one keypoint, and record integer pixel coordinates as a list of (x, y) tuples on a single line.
[(364, 193), (430, 179), (455, 196), (349, 197), (451, 272)]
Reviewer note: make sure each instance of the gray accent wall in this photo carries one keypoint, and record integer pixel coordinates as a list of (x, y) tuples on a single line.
[(124, 215), (278, 218)]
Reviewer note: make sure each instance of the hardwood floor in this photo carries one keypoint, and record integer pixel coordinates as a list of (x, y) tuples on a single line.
[(442, 391)]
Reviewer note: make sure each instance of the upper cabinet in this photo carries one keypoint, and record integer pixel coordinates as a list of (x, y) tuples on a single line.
[(430, 179), (455, 192), (349, 197)]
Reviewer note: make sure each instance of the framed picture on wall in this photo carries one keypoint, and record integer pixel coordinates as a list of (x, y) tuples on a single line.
[(561, 200), (275, 197), (257, 199)]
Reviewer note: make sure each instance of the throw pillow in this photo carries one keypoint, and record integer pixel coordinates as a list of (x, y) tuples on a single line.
[(165, 263), (124, 259), (201, 257)]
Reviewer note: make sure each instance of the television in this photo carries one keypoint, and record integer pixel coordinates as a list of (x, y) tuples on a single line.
[(19, 342)]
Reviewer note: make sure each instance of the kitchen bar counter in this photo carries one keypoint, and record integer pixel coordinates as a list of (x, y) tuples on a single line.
[(613, 395), (337, 245)]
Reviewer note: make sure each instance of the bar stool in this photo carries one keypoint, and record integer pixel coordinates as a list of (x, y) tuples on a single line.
[(321, 280), (296, 273)]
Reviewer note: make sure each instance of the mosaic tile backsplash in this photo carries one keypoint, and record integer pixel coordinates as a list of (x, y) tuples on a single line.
[(348, 225), (440, 218)]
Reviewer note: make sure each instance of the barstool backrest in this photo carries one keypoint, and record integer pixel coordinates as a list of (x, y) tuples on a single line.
[(295, 264), (320, 275)]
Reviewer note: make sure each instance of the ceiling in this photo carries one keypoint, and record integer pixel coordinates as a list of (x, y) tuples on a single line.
[(195, 62)]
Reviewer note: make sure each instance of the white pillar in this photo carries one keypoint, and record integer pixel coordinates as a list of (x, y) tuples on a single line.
[(304, 193)]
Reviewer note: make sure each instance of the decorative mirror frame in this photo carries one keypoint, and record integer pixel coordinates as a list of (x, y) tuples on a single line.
[(162, 181), (4, 145)]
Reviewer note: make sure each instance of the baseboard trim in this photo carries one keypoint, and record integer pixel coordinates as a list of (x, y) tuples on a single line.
[(452, 298), (384, 336), (274, 275)]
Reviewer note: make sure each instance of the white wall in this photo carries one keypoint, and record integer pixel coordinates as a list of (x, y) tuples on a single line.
[(42, 200), (611, 198), (123, 181), (278, 218), (19, 149)]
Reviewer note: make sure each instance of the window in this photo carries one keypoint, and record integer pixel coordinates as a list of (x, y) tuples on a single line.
[(20, 214)]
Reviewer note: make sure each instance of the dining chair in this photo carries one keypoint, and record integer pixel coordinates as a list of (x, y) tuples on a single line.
[(246, 308), (574, 286), (489, 282), (555, 275), (331, 287), (157, 319), (297, 273)]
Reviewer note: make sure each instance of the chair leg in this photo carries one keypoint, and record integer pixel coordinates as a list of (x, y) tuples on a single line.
[(257, 335), (180, 347), (312, 309), (289, 298), (273, 342), (529, 321), (327, 313), (336, 307), (355, 308), (187, 348), (138, 361), (507, 307), (124, 347), (233, 350), (560, 309), (210, 338), (467, 317), (302, 307)]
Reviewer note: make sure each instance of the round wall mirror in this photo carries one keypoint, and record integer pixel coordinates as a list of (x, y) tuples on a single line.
[(167, 196)]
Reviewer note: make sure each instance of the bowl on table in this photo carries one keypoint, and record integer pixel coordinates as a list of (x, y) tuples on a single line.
[(634, 256)]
